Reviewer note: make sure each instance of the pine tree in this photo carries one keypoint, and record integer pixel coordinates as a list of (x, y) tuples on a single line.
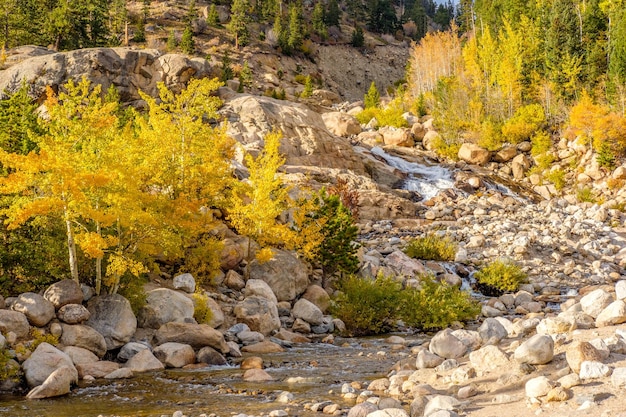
[(213, 18), (239, 20), (372, 98), (172, 43), (333, 13), (245, 75), (308, 87), (318, 21), (192, 13), (358, 39), (187, 43), (296, 27)]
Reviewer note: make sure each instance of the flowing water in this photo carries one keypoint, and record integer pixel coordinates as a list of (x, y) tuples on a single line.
[(309, 371)]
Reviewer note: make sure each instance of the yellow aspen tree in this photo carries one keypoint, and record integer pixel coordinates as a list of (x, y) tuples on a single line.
[(508, 72)]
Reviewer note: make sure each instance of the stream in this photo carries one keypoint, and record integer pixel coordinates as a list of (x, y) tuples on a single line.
[(312, 372)]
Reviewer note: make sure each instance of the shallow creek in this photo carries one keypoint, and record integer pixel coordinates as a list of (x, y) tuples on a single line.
[(311, 372)]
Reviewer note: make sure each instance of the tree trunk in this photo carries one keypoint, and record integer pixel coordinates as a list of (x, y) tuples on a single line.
[(71, 247)]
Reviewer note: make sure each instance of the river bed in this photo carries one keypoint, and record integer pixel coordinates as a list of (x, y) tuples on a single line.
[(312, 372)]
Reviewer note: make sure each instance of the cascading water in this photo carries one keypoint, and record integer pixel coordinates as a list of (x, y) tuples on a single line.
[(427, 180)]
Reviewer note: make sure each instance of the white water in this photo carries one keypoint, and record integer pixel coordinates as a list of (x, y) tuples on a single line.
[(428, 181)]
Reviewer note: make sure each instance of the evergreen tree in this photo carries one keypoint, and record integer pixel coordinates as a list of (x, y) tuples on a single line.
[(227, 69), (333, 14), (381, 16), (296, 27), (213, 18), (172, 43), (239, 20), (187, 43), (318, 21), (281, 34), (418, 15), (245, 75), (372, 98), (358, 39), (192, 13), (308, 87)]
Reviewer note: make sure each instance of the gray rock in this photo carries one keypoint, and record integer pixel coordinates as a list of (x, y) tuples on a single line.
[(389, 412), (596, 301), (441, 402), (470, 338), (121, 373), (83, 336), (234, 281), (15, 322), (73, 314), (185, 282), (144, 361), (113, 317), (80, 355), (593, 370), (285, 274), (446, 345), (164, 306), (248, 337), (43, 362), (130, 349), (579, 352), (307, 311), (538, 350), (259, 314), (210, 356), (614, 313), (195, 335), (56, 384), (260, 288), (175, 355), (492, 332), (37, 309), (318, 296), (426, 359), (64, 292)]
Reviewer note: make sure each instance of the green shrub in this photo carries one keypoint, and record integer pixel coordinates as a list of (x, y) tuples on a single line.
[(201, 310), (389, 116), (432, 247), (437, 305), (9, 368), (541, 143), (526, 121), (490, 136), (557, 177), (585, 195), (40, 337), (544, 160), (374, 306), (372, 98), (367, 306), (445, 148), (605, 156), (132, 289), (500, 276)]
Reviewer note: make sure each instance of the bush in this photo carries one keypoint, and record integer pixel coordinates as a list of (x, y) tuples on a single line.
[(490, 136), (605, 156), (374, 306), (131, 288), (541, 143), (201, 310), (526, 121), (367, 306), (557, 177), (372, 98), (39, 337), (500, 276), (585, 195), (437, 305), (432, 247), (389, 116), (10, 370)]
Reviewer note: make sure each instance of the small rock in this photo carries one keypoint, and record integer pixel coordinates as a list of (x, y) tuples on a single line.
[(569, 381), (256, 375), (593, 370), (579, 352), (427, 359), (489, 358), (538, 350), (618, 378), (185, 282), (557, 394), (538, 387), (446, 345)]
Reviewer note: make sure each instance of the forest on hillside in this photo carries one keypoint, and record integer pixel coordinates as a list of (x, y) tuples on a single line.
[(514, 71), (92, 23)]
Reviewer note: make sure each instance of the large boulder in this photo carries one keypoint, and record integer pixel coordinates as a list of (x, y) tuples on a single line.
[(37, 309), (341, 124), (144, 361), (14, 321), (307, 311), (474, 154), (175, 355), (73, 314), (97, 369), (113, 317), (614, 313), (44, 361), (397, 136), (64, 292), (259, 313), (56, 384), (318, 296), (286, 275), (596, 301), (306, 140), (196, 335), (538, 350), (129, 70), (79, 355), (489, 358), (446, 345), (83, 336), (260, 288), (185, 282), (164, 306)]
